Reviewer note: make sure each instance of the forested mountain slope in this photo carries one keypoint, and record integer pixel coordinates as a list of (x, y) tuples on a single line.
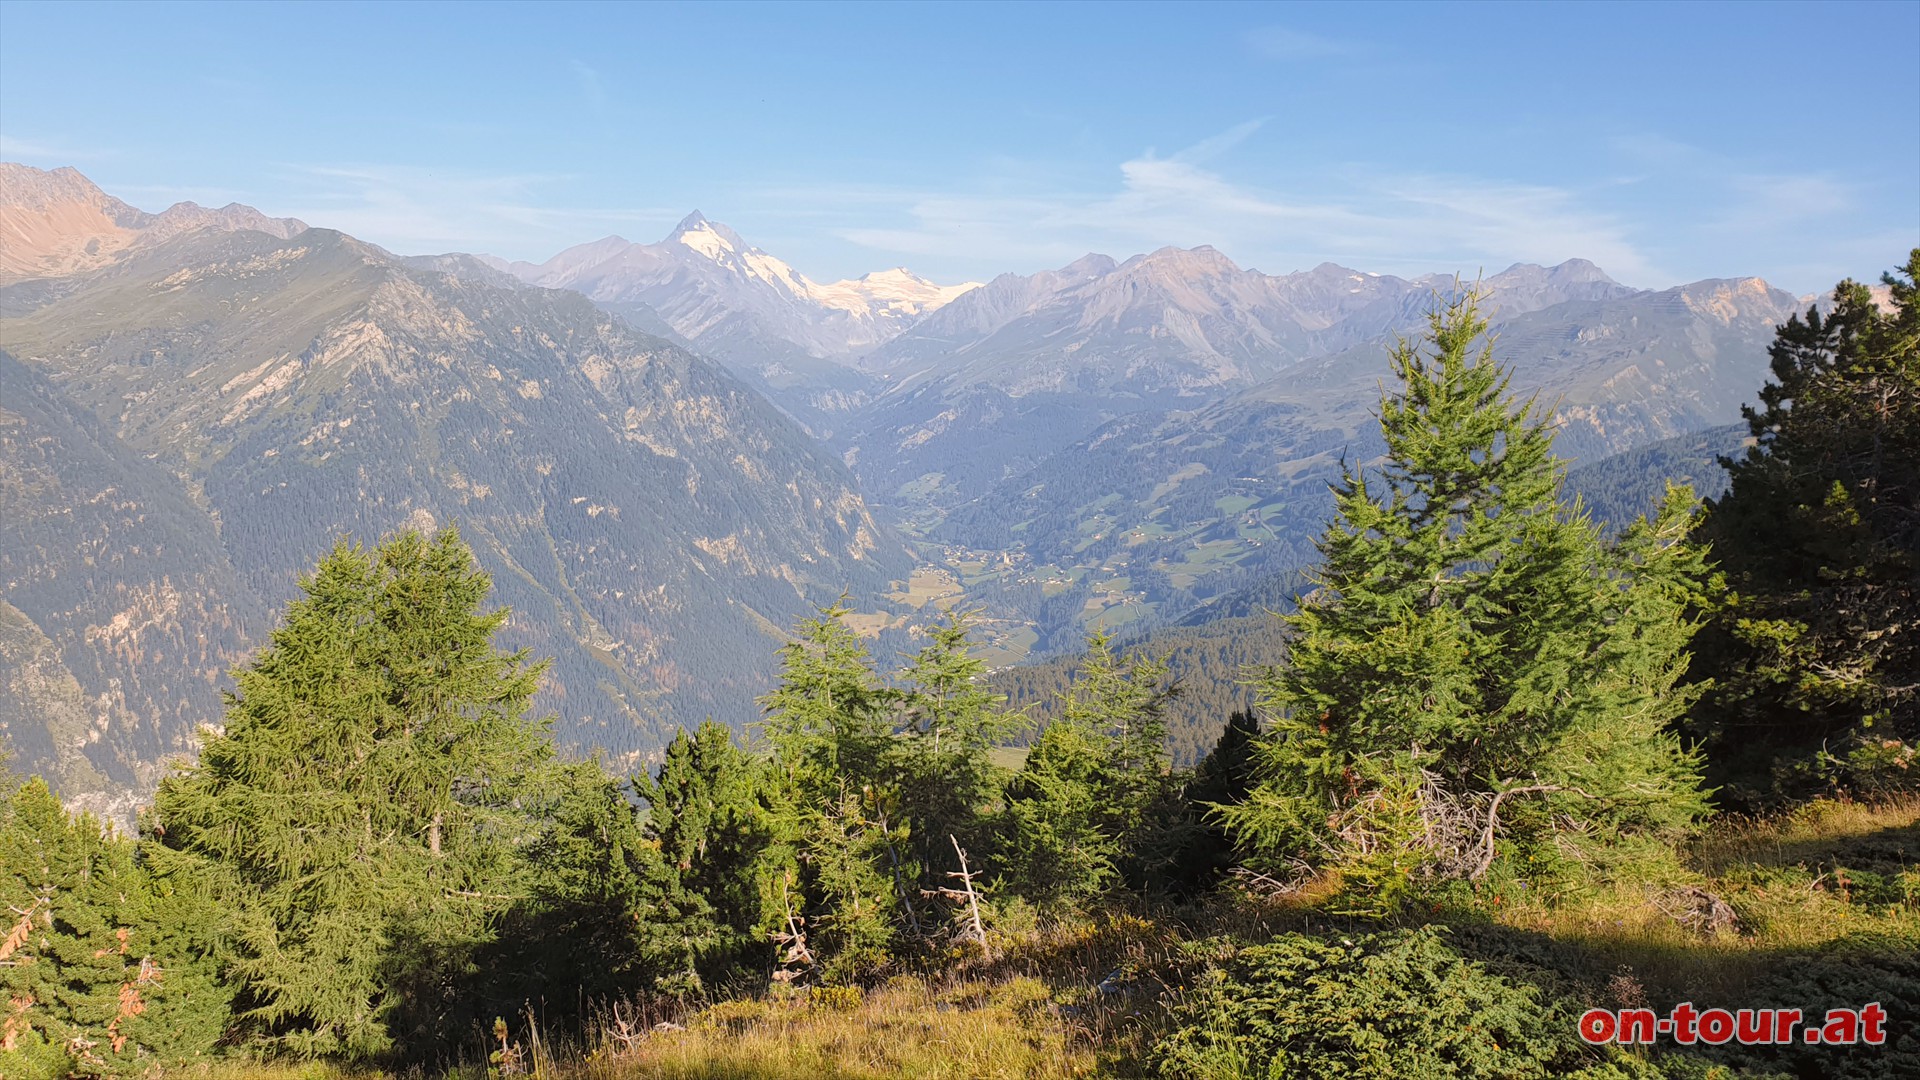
[(1617, 489), (1213, 646), (652, 523), (122, 611)]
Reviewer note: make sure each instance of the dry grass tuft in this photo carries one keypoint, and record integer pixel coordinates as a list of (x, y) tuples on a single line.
[(1794, 883), (905, 1028)]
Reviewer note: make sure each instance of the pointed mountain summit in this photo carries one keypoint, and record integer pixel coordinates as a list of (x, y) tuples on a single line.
[(740, 304), (710, 238)]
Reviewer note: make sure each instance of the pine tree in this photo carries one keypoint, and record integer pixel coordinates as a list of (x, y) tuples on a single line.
[(1814, 658), (1473, 661), (365, 812)]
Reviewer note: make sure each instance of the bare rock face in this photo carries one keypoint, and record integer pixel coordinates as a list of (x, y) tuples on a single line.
[(54, 223), (57, 223)]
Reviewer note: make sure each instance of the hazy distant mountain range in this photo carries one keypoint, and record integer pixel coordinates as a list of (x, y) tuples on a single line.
[(665, 452), (1026, 367)]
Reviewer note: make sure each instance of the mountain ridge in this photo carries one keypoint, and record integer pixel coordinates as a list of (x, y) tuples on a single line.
[(58, 222)]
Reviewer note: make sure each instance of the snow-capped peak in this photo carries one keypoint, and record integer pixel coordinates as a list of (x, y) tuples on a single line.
[(702, 263), (896, 292), (702, 236)]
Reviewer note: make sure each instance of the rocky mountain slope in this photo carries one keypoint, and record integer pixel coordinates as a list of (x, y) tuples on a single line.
[(209, 413)]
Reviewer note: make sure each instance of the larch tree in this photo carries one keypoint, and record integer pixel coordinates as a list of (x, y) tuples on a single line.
[(950, 724), (829, 720), (364, 813), (835, 786)]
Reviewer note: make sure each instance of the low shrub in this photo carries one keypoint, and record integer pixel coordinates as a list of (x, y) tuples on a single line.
[(1399, 1003)]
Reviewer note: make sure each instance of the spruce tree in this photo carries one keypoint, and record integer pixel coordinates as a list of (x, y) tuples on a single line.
[(1474, 662), (950, 724), (1203, 849), (581, 934), (1814, 659), (1089, 808), (365, 811), (707, 899)]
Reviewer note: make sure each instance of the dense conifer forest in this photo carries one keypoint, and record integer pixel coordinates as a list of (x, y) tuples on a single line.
[(1494, 761)]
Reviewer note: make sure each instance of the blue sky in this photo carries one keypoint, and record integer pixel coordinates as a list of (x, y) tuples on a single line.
[(1666, 142)]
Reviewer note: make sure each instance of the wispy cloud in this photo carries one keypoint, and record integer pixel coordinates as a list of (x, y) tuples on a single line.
[(1387, 222), (1735, 205), (14, 148), (1772, 200), (1743, 196), (1215, 145), (1530, 222), (1285, 43), (416, 210), (592, 88)]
